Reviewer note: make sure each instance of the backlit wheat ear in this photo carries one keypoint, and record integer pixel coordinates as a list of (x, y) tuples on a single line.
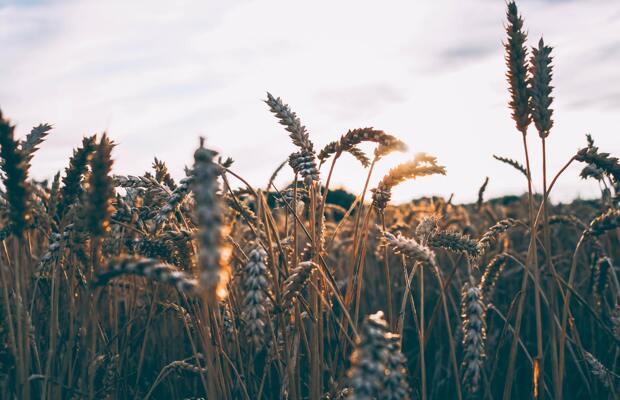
[(473, 312), (100, 189), (15, 168), (517, 74), (162, 175), (291, 122), (427, 226), (149, 268), (304, 164), (592, 171), (491, 273), (566, 219), (35, 137), (72, 181), (182, 247), (603, 161), (395, 384), (242, 208), (410, 248), (354, 137), (55, 242), (360, 156), (540, 87), (184, 366), (455, 242), (367, 373), (296, 282), (146, 181), (388, 146), (255, 296), (213, 272), (601, 271), (481, 191), (607, 221), (54, 197), (513, 163), (178, 195), (381, 196), (422, 165), (484, 243)]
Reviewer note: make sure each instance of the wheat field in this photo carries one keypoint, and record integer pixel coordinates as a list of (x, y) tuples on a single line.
[(209, 287)]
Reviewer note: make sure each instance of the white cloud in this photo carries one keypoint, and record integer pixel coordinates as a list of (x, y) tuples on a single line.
[(156, 76)]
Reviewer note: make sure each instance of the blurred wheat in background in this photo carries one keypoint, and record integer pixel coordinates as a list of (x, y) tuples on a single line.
[(130, 287)]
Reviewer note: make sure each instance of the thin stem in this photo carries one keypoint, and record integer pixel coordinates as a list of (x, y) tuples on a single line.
[(531, 263), (565, 311), (388, 280), (421, 337)]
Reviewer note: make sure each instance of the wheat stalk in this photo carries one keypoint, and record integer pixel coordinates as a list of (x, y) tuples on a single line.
[(15, 168), (255, 297), (422, 165), (150, 269), (473, 312), (213, 273), (516, 60)]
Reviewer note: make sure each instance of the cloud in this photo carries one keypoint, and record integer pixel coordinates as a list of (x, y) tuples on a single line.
[(456, 55), (362, 99)]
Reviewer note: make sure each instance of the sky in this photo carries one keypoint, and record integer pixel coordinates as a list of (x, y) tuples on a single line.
[(157, 75)]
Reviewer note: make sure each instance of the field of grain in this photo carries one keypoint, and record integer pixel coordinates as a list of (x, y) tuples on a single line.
[(144, 287)]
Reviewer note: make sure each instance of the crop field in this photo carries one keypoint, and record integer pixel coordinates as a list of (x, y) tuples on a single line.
[(146, 287)]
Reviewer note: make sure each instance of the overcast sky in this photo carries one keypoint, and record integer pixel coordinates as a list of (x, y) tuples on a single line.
[(157, 75)]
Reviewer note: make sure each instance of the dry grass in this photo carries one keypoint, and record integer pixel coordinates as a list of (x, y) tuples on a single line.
[(142, 287)]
